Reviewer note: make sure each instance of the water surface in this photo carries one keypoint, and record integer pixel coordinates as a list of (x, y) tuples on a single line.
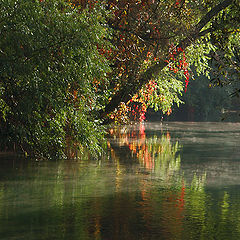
[(157, 181)]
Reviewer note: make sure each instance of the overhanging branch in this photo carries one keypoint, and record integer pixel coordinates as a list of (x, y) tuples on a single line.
[(126, 92)]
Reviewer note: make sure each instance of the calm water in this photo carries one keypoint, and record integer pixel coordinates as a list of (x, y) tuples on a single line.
[(169, 181)]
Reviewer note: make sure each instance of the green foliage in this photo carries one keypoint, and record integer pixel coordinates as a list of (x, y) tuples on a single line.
[(198, 55), (168, 91), (55, 57), (48, 64), (147, 32), (216, 54)]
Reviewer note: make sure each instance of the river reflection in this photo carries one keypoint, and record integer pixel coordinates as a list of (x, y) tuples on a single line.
[(157, 181)]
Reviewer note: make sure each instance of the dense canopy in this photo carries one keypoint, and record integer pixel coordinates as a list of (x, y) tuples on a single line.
[(68, 66)]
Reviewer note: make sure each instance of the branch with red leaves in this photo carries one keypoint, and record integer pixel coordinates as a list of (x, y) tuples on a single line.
[(127, 91)]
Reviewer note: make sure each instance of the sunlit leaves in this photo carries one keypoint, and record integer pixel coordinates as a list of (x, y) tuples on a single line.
[(143, 33), (50, 67)]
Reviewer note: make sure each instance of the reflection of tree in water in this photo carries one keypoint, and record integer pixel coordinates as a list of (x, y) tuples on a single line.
[(106, 200), (183, 211), (156, 154)]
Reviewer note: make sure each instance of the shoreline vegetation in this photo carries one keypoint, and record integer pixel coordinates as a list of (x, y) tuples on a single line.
[(68, 67)]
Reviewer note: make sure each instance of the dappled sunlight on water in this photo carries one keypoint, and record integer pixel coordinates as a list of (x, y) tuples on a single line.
[(157, 181)]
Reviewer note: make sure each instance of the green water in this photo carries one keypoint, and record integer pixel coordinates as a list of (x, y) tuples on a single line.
[(157, 181)]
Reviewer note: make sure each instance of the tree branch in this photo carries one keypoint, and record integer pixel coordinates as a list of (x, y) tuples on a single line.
[(127, 91)]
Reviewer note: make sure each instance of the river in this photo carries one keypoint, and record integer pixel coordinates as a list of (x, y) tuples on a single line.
[(173, 181)]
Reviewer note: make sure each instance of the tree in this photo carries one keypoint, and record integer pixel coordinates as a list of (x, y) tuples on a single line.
[(49, 63), (66, 65), (158, 40)]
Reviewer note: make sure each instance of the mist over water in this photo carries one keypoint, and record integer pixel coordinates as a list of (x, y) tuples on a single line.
[(173, 180)]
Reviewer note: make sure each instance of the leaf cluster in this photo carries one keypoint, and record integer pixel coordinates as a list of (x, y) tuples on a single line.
[(48, 64)]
